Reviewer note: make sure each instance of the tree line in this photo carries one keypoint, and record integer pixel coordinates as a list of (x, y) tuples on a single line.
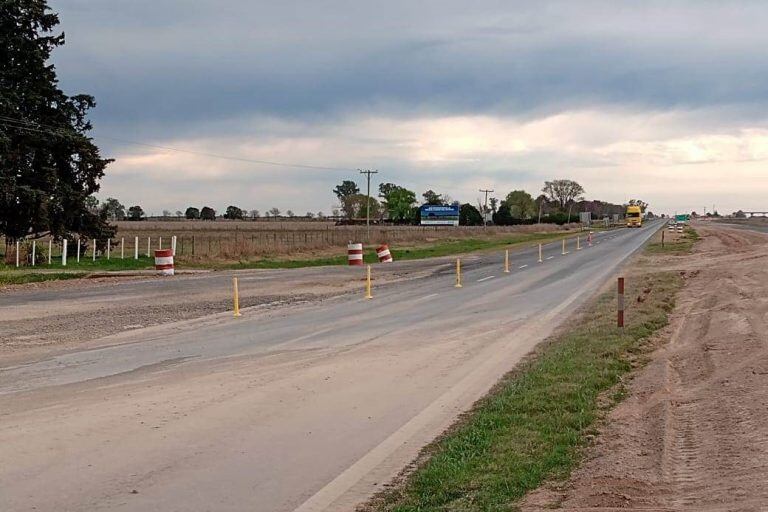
[(560, 201)]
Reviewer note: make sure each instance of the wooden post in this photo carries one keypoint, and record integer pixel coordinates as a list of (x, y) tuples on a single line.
[(620, 317)]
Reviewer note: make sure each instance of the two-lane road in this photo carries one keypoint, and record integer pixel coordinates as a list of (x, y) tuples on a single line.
[(310, 407)]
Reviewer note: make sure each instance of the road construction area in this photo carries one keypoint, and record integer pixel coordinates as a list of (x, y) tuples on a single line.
[(692, 434), (148, 395)]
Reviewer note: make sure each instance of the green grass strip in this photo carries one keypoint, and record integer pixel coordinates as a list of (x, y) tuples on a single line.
[(533, 425), (18, 277), (443, 248)]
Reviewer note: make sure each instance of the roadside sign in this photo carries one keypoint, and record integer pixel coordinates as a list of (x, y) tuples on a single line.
[(439, 215)]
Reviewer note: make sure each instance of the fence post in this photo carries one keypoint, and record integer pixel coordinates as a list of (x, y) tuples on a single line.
[(17, 253), (149, 248), (122, 248), (50, 249), (109, 247), (78, 249), (34, 248), (620, 317), (94, 250), (136, 248), (64, 252)]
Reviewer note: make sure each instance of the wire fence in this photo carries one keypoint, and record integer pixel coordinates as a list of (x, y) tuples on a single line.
[(227, 245)]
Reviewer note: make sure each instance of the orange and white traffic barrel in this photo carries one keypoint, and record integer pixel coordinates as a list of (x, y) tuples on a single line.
[(164, 262), (355, 254), (383, 253)]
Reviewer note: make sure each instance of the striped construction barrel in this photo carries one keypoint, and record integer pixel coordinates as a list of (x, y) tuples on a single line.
[(355, 254), (164, 262), (383, 253)]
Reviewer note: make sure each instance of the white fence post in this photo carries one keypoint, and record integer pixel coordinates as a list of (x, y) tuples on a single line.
[(64, 253), (78, 249), (109, 246), (173, 245), (122, 248), (160, 243), (94, 249), (149, 241), (34, 248), (17, 253), (136, 248), (50, 249)]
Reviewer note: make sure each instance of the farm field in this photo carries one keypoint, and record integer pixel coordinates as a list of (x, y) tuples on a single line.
[(245, 243)]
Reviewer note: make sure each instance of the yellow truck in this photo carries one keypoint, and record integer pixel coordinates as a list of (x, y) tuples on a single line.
[(634, 216)]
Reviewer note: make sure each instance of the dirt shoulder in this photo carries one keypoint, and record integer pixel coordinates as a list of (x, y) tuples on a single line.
[(693, 431)]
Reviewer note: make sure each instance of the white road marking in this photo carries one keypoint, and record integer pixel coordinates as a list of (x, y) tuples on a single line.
[(427, 297), (549, 257), (485, 279), (522, 266)]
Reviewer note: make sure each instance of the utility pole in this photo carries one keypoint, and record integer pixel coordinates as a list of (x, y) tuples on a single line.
[(368, 173), (485, 208)]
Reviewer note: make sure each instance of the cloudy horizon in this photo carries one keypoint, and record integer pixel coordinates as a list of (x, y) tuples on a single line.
[(661, 101)]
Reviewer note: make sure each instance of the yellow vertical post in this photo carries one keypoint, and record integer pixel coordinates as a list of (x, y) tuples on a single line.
[(458, 272), (578, 243), (236, 297), (563, 246), (368, 283), (506, 261), (540, 259)]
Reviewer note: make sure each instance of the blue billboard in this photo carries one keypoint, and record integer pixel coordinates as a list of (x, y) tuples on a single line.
[(439, 215)]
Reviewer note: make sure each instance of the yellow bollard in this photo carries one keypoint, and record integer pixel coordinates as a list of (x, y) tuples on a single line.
[(540, 260), (564, 253), (458, 273), (368, 283), (578, 243), (506, 261), (236, 297)]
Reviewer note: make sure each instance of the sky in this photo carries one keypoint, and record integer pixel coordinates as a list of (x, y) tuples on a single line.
[(662, 101)]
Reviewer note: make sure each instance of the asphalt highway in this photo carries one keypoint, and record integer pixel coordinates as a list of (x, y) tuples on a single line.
[(308, 407)]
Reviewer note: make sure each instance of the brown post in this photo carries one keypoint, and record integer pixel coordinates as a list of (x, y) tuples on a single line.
[(621, 303), (662, 239)]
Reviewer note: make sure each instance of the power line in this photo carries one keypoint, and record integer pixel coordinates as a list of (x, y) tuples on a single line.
[(368, 173), (41, 128)]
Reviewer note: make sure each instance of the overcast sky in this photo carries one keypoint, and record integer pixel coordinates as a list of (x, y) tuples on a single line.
[(665, 101)]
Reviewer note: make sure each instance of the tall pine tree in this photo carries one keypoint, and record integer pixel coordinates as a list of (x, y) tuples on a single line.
[(48, 164)]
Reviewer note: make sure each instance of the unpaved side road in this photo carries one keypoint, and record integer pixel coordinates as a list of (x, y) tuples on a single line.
[(693, 433)]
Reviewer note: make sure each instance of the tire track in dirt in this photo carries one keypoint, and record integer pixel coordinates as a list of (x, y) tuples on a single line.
[(693, 433)]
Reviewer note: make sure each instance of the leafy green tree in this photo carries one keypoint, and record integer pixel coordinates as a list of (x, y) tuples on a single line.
[(136, 213), (432, 198), (521, 204), (562, 192), (346, 189), (234, 213), (208, 213), (192, 213), (397, 201), (48, 164), (638, 202), (113, 209), (470, 216)]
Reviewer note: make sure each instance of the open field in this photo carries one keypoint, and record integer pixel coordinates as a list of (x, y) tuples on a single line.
[(225, 244)]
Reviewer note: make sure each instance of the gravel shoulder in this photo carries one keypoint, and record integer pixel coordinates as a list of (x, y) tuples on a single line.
[(693, 431)]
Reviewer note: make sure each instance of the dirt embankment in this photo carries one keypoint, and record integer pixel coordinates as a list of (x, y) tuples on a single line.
[(693, 433)]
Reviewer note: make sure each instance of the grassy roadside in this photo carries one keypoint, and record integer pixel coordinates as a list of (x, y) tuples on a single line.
[(681, 245), (437, 249), (9, 278), (432, 250), (534, 424)]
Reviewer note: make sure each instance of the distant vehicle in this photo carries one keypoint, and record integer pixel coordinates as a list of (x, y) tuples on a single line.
[(634, 217)]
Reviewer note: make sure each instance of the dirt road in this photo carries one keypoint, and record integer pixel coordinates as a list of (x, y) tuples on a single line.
[(693, 434)]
